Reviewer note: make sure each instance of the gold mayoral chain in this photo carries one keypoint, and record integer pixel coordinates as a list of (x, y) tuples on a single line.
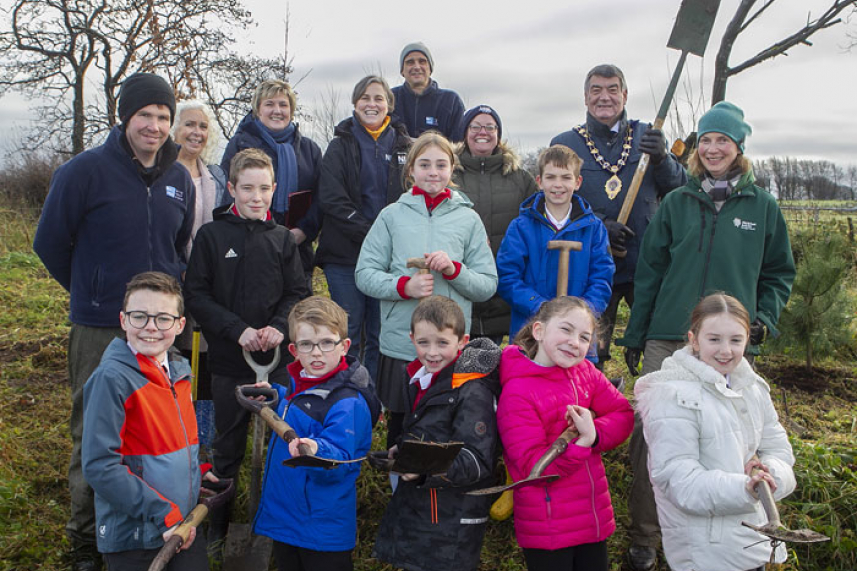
[(613, 186)]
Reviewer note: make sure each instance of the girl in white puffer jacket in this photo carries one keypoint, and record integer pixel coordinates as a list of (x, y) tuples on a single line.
[(709, 420)]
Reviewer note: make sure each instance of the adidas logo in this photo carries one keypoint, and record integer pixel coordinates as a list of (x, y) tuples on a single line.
[(231, 254)]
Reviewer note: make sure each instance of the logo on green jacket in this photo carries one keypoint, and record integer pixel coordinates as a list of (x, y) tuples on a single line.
[(744, 224)]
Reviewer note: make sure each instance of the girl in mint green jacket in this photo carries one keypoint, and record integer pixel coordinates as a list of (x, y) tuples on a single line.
[(437, 225)]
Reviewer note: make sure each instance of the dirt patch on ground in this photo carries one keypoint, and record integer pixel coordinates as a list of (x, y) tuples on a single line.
[(52, 344), (839, 381)]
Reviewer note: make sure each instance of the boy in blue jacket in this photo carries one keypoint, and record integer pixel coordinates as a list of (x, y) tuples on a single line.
[(311, 513), (527, 270)]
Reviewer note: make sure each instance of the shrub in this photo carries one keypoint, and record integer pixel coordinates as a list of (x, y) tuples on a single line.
[(26, 179), (818, 316)]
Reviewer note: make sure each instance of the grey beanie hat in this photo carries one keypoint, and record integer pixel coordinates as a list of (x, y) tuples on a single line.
[(416, 47)]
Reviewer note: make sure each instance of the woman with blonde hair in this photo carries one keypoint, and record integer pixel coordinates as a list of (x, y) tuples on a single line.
[(270, 126), (195, 131)]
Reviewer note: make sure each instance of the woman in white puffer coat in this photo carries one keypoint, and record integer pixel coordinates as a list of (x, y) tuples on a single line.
[(709, 420)]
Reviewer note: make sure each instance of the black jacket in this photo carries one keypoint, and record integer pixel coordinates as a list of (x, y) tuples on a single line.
[(340, 195), (242, 273), (431, 524)]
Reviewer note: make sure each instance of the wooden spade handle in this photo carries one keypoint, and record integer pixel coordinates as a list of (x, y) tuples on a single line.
[(558, 447), (634, 189), (767, 499), (179, 537), (282, 429)]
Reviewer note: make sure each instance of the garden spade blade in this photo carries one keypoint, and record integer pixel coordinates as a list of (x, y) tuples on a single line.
[(558, 447), (690, 34), (693, 26), (774, 528)]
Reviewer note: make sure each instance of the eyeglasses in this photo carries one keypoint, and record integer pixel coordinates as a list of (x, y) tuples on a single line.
[(326, 345), (140, 319), (476, 127)]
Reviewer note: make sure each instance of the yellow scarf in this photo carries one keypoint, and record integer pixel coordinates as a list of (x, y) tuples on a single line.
[(376, 134)]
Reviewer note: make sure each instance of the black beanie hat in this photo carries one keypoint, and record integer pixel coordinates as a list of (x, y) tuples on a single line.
[(471, 115), (141, 89)]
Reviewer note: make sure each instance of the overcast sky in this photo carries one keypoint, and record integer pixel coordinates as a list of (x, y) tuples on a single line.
[(529, 59)]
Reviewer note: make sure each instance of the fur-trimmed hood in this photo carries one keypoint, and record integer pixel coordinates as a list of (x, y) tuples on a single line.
[(464, 160), (685, 368)]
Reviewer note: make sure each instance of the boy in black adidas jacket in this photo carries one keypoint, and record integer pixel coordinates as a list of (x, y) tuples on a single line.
[(243, 278)]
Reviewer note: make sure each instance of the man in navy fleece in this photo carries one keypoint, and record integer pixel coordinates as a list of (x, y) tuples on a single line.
[(420, 104), (112, 212)]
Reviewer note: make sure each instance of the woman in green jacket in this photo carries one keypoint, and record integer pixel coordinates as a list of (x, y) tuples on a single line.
[(718, 233)]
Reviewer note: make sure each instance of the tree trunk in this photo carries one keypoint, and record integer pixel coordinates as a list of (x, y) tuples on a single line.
[(721, 62), (78, 126)]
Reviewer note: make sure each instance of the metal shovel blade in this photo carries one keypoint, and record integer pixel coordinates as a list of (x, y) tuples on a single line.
[(693, 26), (789, 535), (244, 550), (528, 482), (311, 461)]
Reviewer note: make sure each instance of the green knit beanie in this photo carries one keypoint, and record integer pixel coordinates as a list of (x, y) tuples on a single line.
[(726, 118)]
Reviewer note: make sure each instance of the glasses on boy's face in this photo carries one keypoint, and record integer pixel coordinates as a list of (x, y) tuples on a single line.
[(139, 319), (476, 127), (326, 345)]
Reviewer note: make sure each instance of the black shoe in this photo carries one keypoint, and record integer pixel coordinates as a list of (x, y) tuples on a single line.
[(86, 558), (642, 558)]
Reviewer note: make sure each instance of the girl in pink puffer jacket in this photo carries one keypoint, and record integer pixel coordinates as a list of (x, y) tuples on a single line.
[(547, 386)]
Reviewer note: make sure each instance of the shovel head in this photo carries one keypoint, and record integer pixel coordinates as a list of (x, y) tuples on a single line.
[(431, 458), (310, 461), (693, 26), (787, 535), (528, 482), (244, 550)]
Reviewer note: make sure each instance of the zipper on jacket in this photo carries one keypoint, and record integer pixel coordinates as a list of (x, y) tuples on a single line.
[(548, 502), (186, 440), (149, 225), (708, 255), (482, 166), (592, 499)]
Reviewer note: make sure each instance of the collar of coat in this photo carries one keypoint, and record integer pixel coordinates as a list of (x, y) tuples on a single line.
[(504, 157)]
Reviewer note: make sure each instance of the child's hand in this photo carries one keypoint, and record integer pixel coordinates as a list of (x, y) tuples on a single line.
[(393, 452), (758, 477), (440, 262), (762, 473), (581, 418), (269, 337), (298, 235), (294, 444), (186, 545), (420, 285), (409, 477), (249, 340)]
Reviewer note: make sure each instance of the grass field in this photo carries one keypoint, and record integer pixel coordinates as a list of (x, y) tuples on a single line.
[(34, 445)]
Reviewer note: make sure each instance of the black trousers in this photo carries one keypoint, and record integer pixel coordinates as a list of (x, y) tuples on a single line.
[(608, 319), (194, 558), (291, 558), (586, 557), (231, 421)]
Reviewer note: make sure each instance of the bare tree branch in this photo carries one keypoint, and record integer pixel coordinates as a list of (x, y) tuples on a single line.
[(740, 22)]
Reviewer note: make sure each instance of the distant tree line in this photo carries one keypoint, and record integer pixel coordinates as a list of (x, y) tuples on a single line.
[(805, 179)]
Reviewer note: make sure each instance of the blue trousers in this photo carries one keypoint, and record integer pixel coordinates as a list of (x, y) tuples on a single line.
[(364, 315)]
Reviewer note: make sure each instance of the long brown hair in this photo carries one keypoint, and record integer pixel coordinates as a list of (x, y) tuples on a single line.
[(550, 309)]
